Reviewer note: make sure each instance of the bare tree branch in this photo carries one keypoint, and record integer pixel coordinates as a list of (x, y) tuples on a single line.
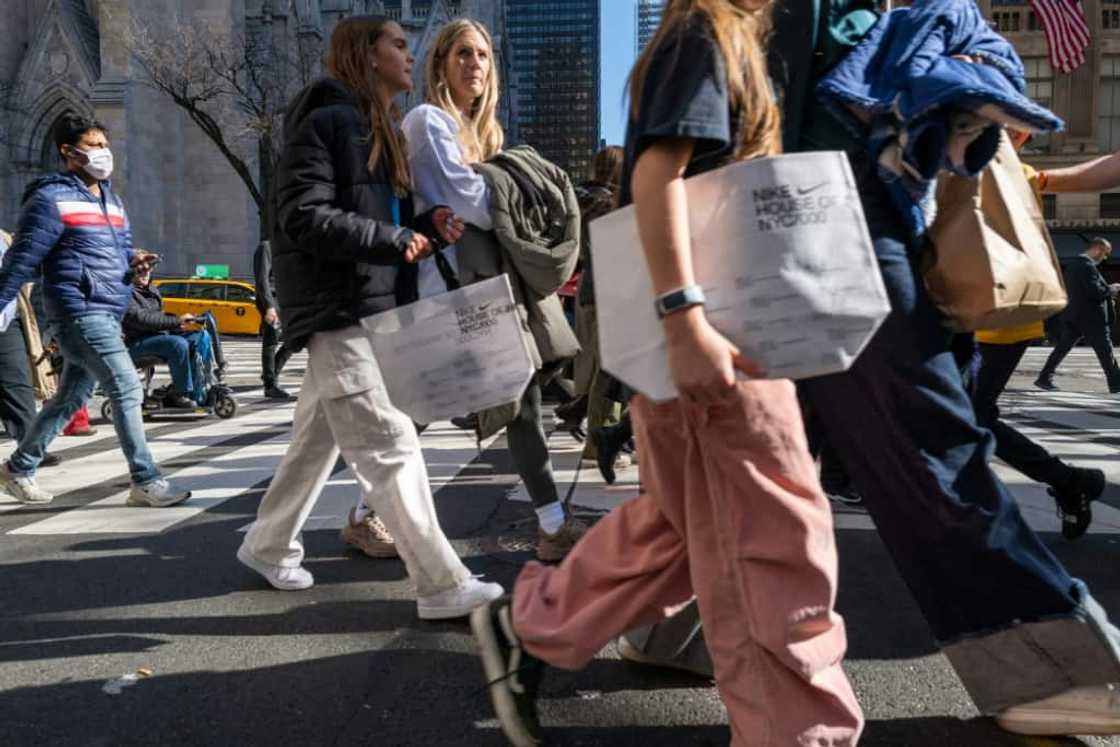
[(234, 87)]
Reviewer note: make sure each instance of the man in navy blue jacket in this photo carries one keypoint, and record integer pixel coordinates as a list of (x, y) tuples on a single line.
[(74, 231)]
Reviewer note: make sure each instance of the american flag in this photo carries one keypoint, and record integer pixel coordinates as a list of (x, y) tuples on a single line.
[(1067, 33)]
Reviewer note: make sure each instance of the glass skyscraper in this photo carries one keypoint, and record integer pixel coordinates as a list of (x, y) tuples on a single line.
[(649, 17), (555, 49)]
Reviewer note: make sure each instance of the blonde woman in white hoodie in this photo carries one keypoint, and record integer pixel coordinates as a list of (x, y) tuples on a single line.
[(455, 129)]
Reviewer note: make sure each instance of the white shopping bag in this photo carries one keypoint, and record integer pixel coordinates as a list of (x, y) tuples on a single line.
[(782, 250), (453, 354)]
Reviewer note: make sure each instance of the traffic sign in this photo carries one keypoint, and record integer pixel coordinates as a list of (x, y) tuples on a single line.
[(212, 272)]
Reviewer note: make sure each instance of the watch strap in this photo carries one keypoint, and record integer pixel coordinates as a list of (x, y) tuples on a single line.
[(679, 299)]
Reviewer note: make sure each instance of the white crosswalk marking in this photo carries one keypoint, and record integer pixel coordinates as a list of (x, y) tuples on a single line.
[(262, 428)]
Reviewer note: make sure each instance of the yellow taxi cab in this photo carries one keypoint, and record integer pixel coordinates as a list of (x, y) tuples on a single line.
[(233, 302)]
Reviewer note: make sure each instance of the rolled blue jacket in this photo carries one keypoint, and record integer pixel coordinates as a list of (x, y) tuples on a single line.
[(82, 245), (902, 86)]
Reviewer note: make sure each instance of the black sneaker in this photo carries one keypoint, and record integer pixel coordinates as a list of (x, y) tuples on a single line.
[(466, 422), (572, 413), (1074, 501), (609, 441), (179, 402), (50, 460), (1045, 382), (845, 496), (514, 675), (275, 392)]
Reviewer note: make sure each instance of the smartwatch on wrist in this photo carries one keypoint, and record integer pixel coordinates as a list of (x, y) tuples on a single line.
[(678, 300)]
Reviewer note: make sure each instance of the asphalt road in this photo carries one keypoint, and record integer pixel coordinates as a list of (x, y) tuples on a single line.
[(133, 627)]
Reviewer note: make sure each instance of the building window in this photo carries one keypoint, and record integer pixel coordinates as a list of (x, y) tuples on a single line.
[(1108, 104), (1006, 22), (1110, 205), (1040, 87)]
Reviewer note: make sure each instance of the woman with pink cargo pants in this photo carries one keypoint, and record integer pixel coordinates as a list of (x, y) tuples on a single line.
[(734, 513)]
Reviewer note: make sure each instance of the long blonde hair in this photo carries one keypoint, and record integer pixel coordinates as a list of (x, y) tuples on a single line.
[(350, 60), (481, 136), (740, 36)]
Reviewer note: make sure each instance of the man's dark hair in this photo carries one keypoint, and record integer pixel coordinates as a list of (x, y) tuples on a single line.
[(70, 128), (1098, 241)]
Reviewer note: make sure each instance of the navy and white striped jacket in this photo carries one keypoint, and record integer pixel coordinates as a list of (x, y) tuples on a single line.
[(82, 246)]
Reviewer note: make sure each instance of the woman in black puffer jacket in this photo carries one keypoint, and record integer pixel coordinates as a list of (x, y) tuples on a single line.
[(340, 242)]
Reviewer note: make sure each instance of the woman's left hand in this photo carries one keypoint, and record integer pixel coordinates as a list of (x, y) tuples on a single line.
[(449, 226)]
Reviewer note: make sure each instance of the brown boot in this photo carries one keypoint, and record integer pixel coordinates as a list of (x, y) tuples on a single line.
[(551, 548), (369, 535)]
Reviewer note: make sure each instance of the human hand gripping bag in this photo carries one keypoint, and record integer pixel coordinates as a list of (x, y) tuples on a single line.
[(990, 262), (782, 251)]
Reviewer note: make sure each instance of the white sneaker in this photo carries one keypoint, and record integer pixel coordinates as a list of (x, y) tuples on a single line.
[(621, 462), (23, 488), (158, 493), (1080, 710), (458, 601), (281, 577)]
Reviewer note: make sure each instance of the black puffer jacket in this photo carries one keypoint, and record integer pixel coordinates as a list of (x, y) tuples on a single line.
[(145, 315), (336, 251)]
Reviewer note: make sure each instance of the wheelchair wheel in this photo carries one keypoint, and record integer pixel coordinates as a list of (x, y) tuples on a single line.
[(107, 411), (226, 407)]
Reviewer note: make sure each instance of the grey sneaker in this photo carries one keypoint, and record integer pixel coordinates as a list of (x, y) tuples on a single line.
[(159, 493), (23, 488)]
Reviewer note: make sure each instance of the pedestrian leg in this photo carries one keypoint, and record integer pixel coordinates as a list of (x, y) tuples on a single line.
[(274, 538), (17, 395), (380, 445), (269, 342), (74, 390), (998, 363), (1014, 624), (1102, 346), (1069, 337), (95, 340), (736, 514), (175, 351)]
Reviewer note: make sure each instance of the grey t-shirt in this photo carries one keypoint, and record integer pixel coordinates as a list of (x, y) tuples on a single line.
[(684, 95)]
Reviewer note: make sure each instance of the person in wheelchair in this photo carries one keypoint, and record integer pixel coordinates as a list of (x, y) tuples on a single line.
[(149, 330)]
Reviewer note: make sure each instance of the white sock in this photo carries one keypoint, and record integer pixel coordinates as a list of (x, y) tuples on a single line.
[(362, 511), (551, 517)]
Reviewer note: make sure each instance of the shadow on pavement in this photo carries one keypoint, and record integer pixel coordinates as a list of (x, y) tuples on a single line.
[(943, 731)]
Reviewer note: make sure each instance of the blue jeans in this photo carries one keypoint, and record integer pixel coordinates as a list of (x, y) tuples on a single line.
[(179, 352), (1012, 621), (94, 352)]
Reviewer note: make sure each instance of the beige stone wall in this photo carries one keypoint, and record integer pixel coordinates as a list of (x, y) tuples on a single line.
[(1076, 98)]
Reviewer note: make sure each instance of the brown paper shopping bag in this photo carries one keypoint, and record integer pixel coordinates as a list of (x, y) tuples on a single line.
[(991, 263)]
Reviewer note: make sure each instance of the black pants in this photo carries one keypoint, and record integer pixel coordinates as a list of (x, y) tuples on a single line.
[(528, 448), (997, 363), (273, 354), (1097, 336), (17, 396)]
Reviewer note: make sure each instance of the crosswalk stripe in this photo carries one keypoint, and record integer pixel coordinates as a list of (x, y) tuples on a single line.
[(111, 515), (453, 458)]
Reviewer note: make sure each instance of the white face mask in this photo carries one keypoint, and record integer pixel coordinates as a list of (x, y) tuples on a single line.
[(100, 162)]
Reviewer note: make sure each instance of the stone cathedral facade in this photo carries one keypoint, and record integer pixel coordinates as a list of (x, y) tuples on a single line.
[(183, 198)]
